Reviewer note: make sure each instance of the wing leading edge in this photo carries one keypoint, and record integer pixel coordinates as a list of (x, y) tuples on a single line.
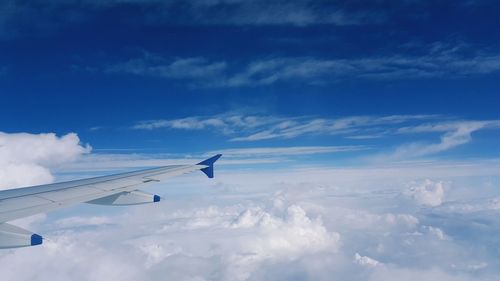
[(120, 189)]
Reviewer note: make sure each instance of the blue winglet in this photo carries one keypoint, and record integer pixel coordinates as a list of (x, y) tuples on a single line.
[(209, 171)]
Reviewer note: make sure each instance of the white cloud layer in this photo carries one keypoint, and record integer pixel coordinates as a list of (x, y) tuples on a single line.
[(309, 223), (300, 224)]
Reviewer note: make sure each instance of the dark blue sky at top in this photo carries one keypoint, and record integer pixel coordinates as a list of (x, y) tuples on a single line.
[(58, 62)]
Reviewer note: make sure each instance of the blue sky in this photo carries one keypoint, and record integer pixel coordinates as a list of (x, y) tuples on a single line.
[(360, 138), (99, 68)]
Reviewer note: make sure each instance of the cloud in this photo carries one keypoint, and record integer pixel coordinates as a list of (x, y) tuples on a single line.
[(454, 134), (254, 127), (427, 193), (437, 232), (225, 123), (463, 126), (443, 62), (240, 247), (55, 16), (98, 163), (176, 12), (184, 68), (306, 223), (190, 123), (25, 159), (472, 206), (365, 261), (278, 239), (83, 221), (283, 151), (415, 275), (299, 13)]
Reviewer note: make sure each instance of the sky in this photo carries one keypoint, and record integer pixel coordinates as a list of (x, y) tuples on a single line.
[(360, 138)]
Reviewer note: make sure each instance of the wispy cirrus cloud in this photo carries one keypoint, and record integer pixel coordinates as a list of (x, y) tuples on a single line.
[(265, 127), (189, 123), (439, 60), (17, 16), (254, 128), (182, 68), (453, 134), (284, 151), (299, 13)]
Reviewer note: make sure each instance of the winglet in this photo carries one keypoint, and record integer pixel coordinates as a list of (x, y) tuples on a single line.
[(209, 171)]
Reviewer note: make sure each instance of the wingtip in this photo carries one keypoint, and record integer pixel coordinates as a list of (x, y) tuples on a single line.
[(211, 160), (209, 171), (217, 156)]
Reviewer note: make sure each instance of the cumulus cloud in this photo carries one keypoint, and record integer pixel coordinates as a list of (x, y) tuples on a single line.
[(365, 261), (231, 243), (286, 238), (427, 193), (436, 231), (25, 159)]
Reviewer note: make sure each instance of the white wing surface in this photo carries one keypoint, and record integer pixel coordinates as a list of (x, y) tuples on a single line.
[(120, 189)]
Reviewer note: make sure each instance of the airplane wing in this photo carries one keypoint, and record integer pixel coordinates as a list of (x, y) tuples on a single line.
[(115, 190)]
